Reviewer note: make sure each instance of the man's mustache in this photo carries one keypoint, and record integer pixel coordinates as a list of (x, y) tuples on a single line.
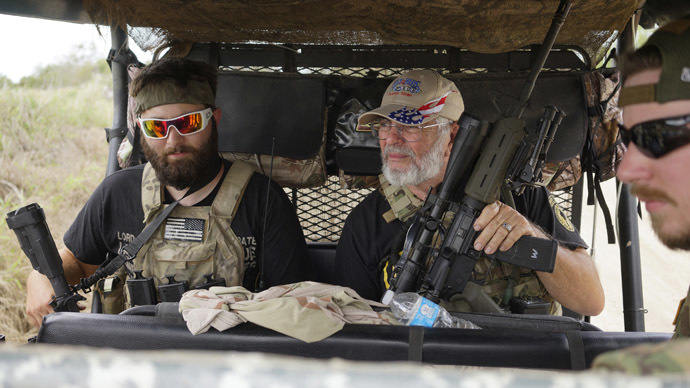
[(650, 194), (397, 149), (179, 149)]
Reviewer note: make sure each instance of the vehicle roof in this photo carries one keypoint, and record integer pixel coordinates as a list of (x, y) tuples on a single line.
[(486, 26)]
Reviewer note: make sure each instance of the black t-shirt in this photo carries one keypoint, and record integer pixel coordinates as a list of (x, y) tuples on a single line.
[(113, 216), (367, 238)]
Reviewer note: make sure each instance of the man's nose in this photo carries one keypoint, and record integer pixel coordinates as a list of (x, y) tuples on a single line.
[(174, 136), (395, 135), (635, 166)]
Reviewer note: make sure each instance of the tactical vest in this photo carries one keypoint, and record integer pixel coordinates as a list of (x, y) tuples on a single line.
[(193, 240), (501, 281)]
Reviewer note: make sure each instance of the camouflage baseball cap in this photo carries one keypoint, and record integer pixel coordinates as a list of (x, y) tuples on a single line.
[(418, 97), (673, 42)]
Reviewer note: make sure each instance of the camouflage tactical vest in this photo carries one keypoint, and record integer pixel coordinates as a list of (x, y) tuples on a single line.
[(501, 281), (193, 240)]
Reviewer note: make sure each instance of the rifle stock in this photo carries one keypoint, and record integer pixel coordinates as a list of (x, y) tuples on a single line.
[(29, 224)]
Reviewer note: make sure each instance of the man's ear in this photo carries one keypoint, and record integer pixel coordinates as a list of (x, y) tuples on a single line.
[(453, 133), (217, 114)]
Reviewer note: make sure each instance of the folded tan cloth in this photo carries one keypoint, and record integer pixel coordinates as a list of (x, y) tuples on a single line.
[(308, 311)]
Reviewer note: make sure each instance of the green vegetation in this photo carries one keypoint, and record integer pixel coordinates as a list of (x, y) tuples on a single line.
[(52, 152)]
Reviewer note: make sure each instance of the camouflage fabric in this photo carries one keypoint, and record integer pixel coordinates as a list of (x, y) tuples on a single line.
[(671, 357), (607, 151), (308, 311), (124, 152), (219, 251), (357, 181), (287, 172), (682, 321), (403, 203), (648, 359), (561, 175), (42, 365), (500, 281)]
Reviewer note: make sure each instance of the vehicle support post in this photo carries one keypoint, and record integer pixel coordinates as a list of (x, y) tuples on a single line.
[(116, 134), (631, 269), (629, 238)]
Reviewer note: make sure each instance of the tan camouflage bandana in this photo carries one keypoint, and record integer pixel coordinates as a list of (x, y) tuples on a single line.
[(169, 92)]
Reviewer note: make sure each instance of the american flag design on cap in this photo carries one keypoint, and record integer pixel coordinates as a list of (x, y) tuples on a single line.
[(412, 116), (184, 229)]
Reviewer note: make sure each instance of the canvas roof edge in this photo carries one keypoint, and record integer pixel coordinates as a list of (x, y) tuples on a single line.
[(513, 23)]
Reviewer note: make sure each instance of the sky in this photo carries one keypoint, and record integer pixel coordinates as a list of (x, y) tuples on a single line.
[(28, 43)]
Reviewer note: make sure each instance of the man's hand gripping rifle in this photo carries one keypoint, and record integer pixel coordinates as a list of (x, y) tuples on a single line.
[(29, 224), (511, 159)]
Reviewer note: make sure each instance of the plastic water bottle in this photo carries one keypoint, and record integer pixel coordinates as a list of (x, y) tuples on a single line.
[(414, 310)]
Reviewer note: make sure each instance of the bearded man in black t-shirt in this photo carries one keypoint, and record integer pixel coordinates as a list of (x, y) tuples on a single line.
[(416, 126), (222, 227)]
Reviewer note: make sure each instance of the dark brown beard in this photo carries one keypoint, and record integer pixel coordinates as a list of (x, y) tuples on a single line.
[(182, 173)]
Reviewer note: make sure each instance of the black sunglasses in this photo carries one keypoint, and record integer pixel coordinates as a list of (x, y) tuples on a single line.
[(656, 138)]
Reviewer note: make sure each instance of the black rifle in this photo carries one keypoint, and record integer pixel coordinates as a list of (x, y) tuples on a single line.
[(29, 224), (511, 159)]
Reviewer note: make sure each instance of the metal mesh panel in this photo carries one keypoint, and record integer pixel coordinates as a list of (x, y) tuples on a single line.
[(322, 210)]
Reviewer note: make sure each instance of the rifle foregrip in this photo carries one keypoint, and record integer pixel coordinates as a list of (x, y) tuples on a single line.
[(531, 252)]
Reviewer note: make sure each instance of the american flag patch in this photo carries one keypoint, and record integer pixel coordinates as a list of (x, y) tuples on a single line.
[(184, 229)]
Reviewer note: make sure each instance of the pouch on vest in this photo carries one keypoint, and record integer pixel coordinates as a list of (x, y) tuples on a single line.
[(111, 292)]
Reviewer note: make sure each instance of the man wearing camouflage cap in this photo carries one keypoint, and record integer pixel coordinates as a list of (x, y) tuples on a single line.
[(218, 230), (416, 126), (656, 128)]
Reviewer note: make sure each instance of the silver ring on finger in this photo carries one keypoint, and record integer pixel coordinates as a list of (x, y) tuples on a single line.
[(508, 227)]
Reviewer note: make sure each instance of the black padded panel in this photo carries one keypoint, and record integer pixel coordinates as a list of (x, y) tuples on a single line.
[(489, 96), (259, 107), (499, 347), (322, 256), (359, 160)]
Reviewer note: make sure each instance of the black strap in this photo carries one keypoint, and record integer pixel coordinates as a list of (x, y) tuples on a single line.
[(129, 252), (577, 350), (415, 343), (607, 213)]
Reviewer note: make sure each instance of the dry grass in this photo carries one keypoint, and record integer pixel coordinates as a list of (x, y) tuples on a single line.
[(52, 152)]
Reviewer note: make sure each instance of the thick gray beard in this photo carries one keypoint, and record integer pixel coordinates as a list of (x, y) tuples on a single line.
[(427, 167), (676, 241)]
